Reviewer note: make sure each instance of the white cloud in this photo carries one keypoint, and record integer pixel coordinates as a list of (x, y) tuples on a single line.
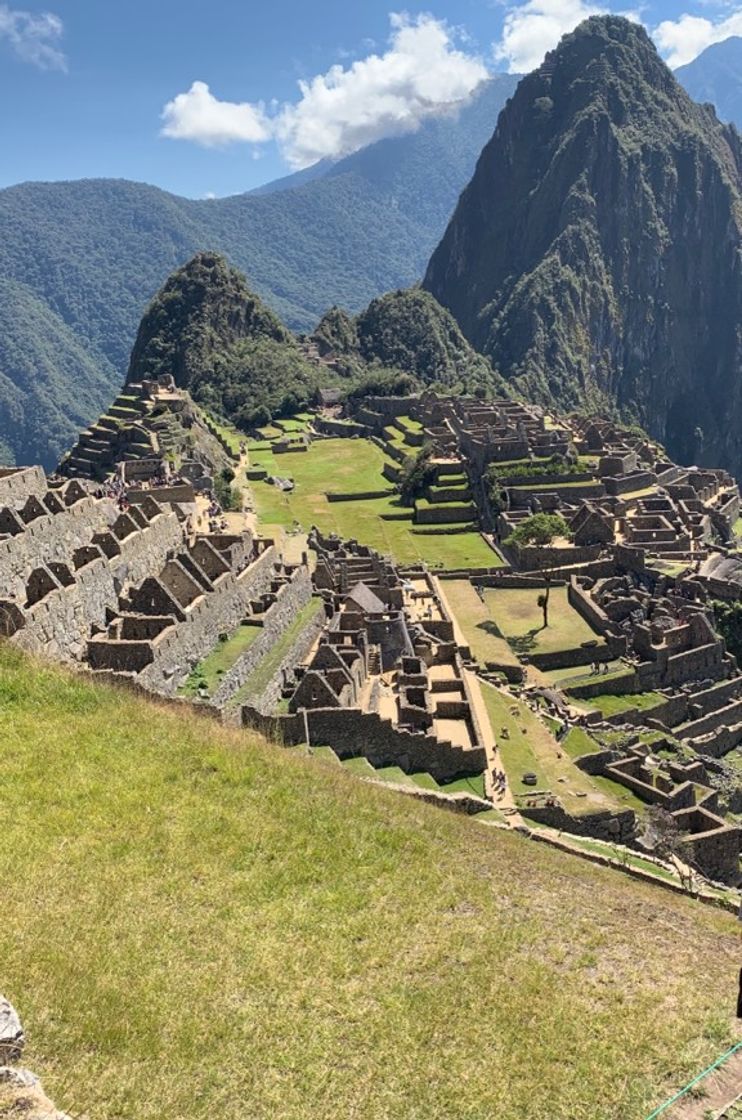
[(680, 40), (33, 37), (536, 27), (199, 116), (420, 75)]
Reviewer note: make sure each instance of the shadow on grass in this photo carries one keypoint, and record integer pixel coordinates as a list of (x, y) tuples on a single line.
[(526, 643)]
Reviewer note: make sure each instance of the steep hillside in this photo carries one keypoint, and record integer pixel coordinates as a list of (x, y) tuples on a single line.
[(49, 381), (716, 76), (409, 330), (221, 343), (595, 255), (94, 252), (231, 929)]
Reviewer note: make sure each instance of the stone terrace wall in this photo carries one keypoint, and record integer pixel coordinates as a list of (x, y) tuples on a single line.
[(619, 827), (297, 652), (291, 599), (351, 732), (218, 612)]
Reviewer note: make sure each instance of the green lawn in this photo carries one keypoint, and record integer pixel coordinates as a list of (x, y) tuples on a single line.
[(351, 467), (202, 925), (222, 657), (261, 675), (409, 423), (611, 705), (475, 623), (519, 618), (531, 747)]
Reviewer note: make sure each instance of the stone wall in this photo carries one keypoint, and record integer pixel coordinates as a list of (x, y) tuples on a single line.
[(180, 647), (532, 558), (59, 624), (291, 599), (17, 484), (295, 655), (351, 733), (619, 827), (445, 514)]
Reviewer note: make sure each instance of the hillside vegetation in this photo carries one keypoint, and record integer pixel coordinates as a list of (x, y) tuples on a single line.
[(220, 342), (594, 257), (94, 252), (207, 925)]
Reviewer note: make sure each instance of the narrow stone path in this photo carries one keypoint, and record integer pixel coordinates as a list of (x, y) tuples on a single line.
[(501, 796)]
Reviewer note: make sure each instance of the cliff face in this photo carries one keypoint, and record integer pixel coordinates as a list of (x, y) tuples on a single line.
[(595, 255)]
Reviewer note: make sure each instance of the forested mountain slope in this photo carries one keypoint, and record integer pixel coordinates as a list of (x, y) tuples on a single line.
[(93, 253)]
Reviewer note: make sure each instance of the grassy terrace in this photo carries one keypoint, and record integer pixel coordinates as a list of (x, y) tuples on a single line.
[(267, 666), (205, 926), (210, 671), (531, 747), (611, 705), (519, 618), (230, 435), (476, 624), (354, 467)]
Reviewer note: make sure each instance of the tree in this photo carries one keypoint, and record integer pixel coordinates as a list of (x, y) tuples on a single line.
[(729, 624), (418, 473), (662, 833), (540, 529), (543, 602)]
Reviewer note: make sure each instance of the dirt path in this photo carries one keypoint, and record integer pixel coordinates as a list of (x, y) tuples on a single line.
[(501, 796), (714, 1096)]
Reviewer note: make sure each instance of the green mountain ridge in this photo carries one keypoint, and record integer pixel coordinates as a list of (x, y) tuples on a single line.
[(594, 256), (219, 341), (94, 252)]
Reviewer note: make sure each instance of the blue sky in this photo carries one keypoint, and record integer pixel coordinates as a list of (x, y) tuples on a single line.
[(215, 98)]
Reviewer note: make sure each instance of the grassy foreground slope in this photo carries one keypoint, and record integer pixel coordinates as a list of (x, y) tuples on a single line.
[(199, 924)]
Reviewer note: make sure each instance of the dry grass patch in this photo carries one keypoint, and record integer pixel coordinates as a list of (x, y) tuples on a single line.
[(519, 618), (201, 925)]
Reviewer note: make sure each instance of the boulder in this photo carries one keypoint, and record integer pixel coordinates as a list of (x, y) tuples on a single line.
[(12, 1038)]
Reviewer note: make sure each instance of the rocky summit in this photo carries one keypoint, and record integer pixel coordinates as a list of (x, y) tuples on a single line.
[(595, 255)]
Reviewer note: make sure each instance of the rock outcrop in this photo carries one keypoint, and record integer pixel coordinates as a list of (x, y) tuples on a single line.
[(595, 255), (20, 1091)]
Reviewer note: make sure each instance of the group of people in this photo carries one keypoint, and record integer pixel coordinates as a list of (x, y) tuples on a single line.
[(115, 490), (596, 667), (499, 781)]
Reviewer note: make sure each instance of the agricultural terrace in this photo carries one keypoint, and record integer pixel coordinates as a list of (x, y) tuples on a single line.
[(354, 466), (231, 929)]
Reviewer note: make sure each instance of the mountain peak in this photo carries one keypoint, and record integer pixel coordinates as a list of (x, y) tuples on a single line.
[(594, 255), (202, 308)]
